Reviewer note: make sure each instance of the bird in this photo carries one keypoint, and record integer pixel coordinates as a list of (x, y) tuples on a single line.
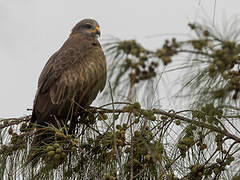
[(71, 80)]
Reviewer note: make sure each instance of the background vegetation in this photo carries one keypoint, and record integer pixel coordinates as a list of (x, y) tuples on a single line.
[(132, 136)]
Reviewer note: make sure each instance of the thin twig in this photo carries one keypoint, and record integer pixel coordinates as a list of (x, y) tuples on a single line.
[(114, 134), (214, 12)]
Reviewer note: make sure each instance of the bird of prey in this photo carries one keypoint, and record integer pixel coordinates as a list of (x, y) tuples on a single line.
[(71, 79)]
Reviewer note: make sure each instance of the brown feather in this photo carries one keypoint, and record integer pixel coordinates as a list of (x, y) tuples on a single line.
[(76, 72), (78, 68)]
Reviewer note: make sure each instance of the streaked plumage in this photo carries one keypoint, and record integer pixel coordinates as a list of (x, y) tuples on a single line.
[(75, 73)]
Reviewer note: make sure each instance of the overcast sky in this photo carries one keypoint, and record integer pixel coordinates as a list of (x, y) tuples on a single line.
[(32, 30)]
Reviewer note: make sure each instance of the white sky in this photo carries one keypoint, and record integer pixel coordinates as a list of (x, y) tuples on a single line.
[(32, 30)]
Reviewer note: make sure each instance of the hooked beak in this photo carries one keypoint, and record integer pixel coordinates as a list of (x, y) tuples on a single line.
[(98, 30)]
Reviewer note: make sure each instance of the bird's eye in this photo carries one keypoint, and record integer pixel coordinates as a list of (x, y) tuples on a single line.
[(88, 26)]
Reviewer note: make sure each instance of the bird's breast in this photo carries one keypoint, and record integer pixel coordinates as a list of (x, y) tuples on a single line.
[(83, 74)]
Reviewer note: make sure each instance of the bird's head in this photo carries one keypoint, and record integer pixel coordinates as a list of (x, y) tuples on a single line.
[(88, 27)]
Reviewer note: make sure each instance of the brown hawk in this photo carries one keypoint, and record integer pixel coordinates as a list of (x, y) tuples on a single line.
[(71, 79)]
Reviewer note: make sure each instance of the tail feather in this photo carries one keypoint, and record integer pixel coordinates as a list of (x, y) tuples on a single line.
[(41, 138), (43, 135)]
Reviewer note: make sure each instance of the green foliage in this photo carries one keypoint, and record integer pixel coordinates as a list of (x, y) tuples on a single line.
[(126, 140)]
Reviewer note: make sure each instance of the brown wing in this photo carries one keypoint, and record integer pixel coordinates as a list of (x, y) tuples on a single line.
[(96, 77), (75, 70), (60, 61), (51, 73)]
